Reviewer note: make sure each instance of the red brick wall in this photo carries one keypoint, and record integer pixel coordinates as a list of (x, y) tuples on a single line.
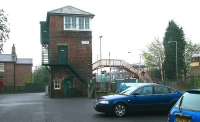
[(23, 74), (62, 73), (79, 56), (9, 74)]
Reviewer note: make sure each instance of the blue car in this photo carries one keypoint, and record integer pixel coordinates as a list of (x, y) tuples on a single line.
[(139, 97), (187, 109)]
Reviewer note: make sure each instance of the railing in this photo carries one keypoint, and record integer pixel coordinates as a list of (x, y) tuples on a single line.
[(74, 72), (142, 75), (114, 63)]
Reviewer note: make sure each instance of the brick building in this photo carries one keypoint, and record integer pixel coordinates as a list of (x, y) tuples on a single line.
[(66, 40), (14, 71)]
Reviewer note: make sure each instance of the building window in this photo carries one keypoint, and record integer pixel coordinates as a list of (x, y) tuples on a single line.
[(81, 22), (2, 71), (1, 67), (57, 84), (76, 23), (67, 22), (87, 24)]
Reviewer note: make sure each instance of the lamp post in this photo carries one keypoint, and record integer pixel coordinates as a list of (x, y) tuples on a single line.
[(100, 37), (176, 58), (110, 83)]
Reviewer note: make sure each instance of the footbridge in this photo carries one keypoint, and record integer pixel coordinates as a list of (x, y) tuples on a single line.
[(136, 72)]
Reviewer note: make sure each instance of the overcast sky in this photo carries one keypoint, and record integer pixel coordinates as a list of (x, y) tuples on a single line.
[(126, 25)]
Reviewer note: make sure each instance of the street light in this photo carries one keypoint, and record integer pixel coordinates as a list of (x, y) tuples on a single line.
[(100, 56), (110, 83), (176, 58), (100, 37)]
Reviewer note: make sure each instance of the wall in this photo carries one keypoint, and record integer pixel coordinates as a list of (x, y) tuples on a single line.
[(9, 74), (23, 74)]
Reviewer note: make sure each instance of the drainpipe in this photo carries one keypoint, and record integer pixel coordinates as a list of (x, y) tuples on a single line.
[(14, 59), (14, 76)]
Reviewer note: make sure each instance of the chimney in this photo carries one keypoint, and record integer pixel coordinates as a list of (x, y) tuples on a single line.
[(14, 55)]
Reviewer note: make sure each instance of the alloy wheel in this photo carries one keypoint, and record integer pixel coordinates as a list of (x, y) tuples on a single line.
[(120, 110)]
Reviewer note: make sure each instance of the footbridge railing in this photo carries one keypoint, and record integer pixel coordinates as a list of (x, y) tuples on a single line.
[(142, 75)]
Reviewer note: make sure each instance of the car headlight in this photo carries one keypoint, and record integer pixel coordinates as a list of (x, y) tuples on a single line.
[(104, 102)]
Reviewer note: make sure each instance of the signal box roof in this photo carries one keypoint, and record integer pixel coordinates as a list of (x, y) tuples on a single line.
[(70, 10)]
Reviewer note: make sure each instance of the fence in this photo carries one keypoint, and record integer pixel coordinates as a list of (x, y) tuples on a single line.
[(104, 86), (191, 83)]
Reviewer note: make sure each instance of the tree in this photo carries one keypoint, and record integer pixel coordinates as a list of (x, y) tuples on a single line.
[(41, 76), (174, 36), (4, 29), (190, 49), (154, 57)]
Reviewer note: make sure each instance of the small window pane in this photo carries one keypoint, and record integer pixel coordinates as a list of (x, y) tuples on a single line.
[(171, 90), (67, 22), (87, 24), (74, 22), (1, 67), (147, 90), (161, 90), (81, 22), (57, 84)]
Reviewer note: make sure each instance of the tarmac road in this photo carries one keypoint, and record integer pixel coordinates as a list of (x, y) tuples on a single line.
[(36, 107)]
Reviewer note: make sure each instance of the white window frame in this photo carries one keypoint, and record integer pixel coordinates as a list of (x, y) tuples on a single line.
[(77, 28), (65, 23), (57, 84), (87, 23), (83, 24), (2, 67), (72, 22)]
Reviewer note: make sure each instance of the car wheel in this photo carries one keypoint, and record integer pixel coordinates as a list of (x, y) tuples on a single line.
[(119, 110)]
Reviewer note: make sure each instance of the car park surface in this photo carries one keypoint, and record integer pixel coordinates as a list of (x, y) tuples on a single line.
[(36, 107)]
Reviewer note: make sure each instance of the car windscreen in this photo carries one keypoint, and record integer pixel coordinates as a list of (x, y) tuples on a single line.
[(129, 90), (189, 101)]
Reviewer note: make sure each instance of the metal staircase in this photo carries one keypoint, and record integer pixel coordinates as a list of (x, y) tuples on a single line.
[(75, 73), (45, 61), (142, 75), (45, 55)]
